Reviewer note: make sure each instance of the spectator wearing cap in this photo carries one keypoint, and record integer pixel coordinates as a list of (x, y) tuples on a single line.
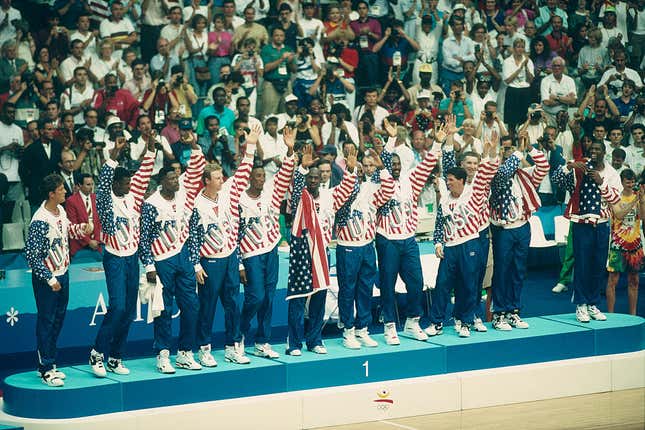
[(291, 112), (39, 160), (164, 60), (114, 127), (428, 36), (609, 27), (557, 90), (421, 117), (182, 148), (117, 29), (457, 104), (119, 102), (456, 50), (279, 63), (426, 79)]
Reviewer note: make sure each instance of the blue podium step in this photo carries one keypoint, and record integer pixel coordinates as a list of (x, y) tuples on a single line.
[(555, 337)]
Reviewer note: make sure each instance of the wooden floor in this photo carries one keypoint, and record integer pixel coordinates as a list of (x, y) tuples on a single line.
[(624, 410)]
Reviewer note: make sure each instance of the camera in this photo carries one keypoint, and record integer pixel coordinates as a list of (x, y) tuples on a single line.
[(535, 116), (335, 50), (489, 114), (291, 124), (458, 94), (161, 84), (179, 79)]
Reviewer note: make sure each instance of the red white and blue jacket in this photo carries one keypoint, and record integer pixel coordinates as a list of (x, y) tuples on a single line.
[(459, 219), (164, 223), (356, 220), (260, 217), (120, 216), (214, 223), (398, 218), (514, 196), (47, 247)]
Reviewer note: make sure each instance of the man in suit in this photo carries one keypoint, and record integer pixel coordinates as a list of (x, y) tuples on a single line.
[(330, 173), (70, 178), (39, 160), (81, 208), (9, 64)]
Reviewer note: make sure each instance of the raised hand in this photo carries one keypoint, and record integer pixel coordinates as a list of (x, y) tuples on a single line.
[(451, 125), (119, 144), (253, 136), (440, 133), (389, 128), (289, 137), (307, 159), (351, 158)]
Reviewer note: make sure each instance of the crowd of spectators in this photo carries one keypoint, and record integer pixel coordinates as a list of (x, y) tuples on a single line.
[(77, 74)]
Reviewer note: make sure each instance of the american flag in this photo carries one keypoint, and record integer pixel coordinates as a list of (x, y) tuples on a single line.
[(588, 200), (308, 266)]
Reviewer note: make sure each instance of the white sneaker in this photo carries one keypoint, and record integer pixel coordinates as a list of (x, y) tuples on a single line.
[(96, 362), (163, 362), (264, 350), (319, 349), (479, 326), (50, 379), (500, 323), (235, 354), (595, 313), (465, 331), (295, 353), (186, 360), (515, 321), (390, 334), (560, 288), (413, 330), (457, 325), (115, 365), (58, 373), (349, 339), (363, 336), (435, 329), (205, 357), (582, 314)]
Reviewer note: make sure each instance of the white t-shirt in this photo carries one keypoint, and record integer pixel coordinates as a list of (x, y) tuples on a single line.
[(10, 134), (406, 155), (90, 49), (272, 147), (110, 28), (325, 133), (170, 33), (138, 148), (69, 64), (550, 86), (476, 145), (72, 97)]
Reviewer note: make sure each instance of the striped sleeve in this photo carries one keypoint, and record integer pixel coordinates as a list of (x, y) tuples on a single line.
[(104, 198), (240, 182), (141, 179), (609, 192), (541, 168), (193, 174), (75, 231), (420, 174), (36, 250), (385, 191), (481, 182), (281, 181), (341, 193)]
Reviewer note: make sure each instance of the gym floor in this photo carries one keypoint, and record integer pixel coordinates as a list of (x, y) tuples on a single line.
[(624, 410)]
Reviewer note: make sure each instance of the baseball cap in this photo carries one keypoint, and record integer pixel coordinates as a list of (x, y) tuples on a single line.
[(459, 6), (425, 68), (290, 98), (112, 121), (424, 94)]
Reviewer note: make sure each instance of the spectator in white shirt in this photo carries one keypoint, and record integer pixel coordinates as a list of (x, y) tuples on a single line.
[(272, 147), (457, 49), (84, 34), (78, 96), (76, 59), (483, 93), (117, 29), (558, 91)]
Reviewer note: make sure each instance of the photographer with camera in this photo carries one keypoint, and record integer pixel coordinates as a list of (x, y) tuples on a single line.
[(339, 129), (331, 86), (24, 96), (615, 76), (147, 135), (217, 145), (156, 102), (117, 101), (182, 147), (307, 71), (181, 93), (11, 150), (458, 104), (535, 124), (490, 123), (249, 63)]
